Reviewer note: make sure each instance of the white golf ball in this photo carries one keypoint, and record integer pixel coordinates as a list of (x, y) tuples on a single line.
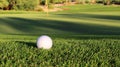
[(44, 42)]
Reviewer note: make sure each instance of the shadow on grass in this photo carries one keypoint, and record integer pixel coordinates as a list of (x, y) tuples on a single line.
[(87, 37), (82, 15), (30, 44), (40, 26)]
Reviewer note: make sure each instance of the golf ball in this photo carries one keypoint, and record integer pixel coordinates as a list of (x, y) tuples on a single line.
[(44, 42)]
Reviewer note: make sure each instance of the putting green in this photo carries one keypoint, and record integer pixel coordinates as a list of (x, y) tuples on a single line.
[(83, 36)]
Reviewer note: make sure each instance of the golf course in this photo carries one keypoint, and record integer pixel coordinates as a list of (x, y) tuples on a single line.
[(83, 36)]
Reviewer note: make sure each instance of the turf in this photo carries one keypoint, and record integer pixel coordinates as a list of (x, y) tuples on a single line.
[(83, 36)]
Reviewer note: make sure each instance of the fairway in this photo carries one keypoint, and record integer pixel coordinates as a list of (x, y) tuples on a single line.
[(83, 36)]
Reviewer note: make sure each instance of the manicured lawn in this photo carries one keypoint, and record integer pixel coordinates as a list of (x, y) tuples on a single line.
[(83, 35)]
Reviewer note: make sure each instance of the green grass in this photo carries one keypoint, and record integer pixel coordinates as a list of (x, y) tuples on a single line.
[(83, 36)]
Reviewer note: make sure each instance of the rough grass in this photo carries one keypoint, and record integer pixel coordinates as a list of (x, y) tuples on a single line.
[(83, 36)]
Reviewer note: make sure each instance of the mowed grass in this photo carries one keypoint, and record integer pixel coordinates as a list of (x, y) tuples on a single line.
[(83, 36)]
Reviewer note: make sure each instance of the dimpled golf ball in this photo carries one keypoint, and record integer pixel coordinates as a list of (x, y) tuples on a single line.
[(44, 42)]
